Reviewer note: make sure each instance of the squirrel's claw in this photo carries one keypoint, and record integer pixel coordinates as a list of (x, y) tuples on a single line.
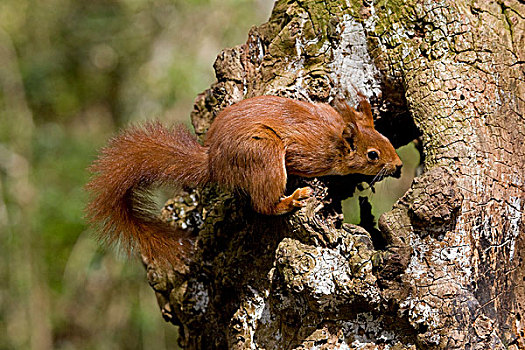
[(302, 193), (299, 196)]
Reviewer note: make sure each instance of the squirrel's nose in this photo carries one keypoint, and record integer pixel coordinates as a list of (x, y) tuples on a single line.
[(397, 173)]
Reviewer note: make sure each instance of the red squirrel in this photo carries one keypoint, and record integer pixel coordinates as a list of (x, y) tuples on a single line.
[(251, 146)]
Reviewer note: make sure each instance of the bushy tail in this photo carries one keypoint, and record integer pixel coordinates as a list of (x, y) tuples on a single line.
[(127, 168)]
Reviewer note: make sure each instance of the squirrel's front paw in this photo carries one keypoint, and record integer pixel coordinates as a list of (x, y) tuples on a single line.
[(295, 200), (301, 193)]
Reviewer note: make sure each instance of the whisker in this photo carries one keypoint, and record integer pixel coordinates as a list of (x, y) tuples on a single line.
[(380, 175), (383, 173), (375, 177)]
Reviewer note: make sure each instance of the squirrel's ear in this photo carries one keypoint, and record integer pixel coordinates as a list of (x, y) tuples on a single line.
[(349, 135), (365, 113), (348, 113)]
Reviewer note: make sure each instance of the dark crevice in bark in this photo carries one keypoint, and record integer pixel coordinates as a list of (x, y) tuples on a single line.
[(400, 129), (393, 119)]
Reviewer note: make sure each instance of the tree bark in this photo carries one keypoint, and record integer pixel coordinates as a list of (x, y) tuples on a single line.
[(451, 274)]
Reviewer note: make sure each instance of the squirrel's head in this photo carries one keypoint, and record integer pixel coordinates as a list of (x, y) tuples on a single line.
[(365, 150)]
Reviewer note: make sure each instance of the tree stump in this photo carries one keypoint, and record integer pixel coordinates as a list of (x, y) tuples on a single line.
[(451, 275)]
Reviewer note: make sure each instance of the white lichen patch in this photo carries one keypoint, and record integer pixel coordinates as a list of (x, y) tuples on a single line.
[(255, 306), (420, 313), (514, 213), (329, 270), (257, 303), (342, 346), (251, 314), (367, 330), (201, 297), (331, 280), (450, 257), (416, 267), (352, 67), (329, 277), (370, 22)]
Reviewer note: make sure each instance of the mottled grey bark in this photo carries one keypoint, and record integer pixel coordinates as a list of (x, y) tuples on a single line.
[(450, 275)]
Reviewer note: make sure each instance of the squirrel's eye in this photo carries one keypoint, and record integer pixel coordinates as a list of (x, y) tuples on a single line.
[(373, 155)]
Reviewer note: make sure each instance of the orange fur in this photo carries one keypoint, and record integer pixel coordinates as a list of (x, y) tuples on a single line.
[(251, 146)]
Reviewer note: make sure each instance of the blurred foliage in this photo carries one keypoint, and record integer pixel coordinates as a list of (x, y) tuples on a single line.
[(71, 73)]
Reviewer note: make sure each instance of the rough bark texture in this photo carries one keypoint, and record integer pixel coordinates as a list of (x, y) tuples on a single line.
[(451, 275)]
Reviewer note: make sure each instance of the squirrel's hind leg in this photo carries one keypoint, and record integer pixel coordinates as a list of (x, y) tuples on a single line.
[(267, 176)]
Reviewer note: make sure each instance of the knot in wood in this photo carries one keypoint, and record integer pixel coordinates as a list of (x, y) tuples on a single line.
[(435, 200)]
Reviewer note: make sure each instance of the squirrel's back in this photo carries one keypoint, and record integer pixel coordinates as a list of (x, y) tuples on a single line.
[(309, 133)]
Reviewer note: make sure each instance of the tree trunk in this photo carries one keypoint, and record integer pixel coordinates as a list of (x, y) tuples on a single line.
[(451, 274)]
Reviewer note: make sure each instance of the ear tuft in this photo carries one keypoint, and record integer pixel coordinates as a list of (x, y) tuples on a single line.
[(365, 109), (348, 113)]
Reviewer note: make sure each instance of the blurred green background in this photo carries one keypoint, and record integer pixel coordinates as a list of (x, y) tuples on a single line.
[(71, 74)]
